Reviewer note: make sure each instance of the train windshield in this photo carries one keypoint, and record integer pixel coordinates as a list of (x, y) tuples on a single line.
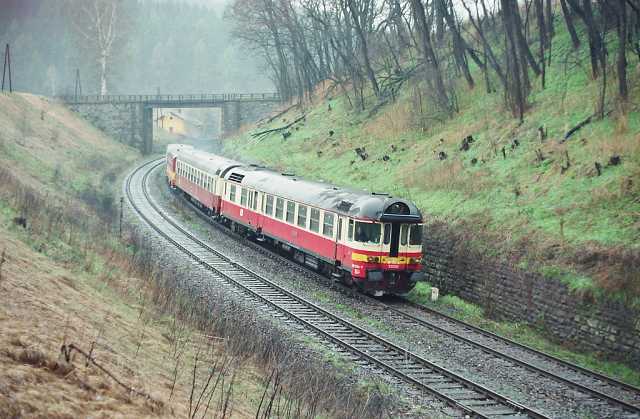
[(415, 236), (367, 232)]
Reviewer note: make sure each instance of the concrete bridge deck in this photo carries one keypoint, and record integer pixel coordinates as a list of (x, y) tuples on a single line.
[(129, 118), (171, 101)]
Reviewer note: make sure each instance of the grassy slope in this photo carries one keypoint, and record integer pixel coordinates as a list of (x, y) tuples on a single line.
[(46, 305), (53, 149), (596, 213), (55, 289)]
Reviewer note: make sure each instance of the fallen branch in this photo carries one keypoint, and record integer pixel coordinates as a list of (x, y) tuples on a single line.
[(580, 125), (3, 259), (282, 128), (67, 350), (577, 127), (279, 114)]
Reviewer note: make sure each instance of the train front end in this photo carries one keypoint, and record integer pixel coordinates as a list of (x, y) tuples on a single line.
[(387, 249)]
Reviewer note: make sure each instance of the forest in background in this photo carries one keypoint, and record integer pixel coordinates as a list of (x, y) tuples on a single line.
[(149, 45), (371, 47)]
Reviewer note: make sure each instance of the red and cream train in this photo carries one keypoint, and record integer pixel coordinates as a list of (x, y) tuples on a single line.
[(370, 240)]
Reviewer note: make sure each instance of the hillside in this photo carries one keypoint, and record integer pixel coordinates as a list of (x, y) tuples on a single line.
[(66, 282), (540, 204), (47, 147)]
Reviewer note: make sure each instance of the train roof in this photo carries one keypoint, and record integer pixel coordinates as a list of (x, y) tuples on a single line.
[(345, 201), (208, 162)]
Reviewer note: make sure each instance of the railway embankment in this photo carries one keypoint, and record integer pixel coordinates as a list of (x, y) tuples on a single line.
[(584, 323), (68, 279), (536, 228)]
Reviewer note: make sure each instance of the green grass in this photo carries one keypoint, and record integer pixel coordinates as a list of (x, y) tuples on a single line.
[(521, 333), (569, 212)]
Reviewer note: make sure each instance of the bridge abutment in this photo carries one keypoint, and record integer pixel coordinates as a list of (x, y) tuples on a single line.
[(122, 121)]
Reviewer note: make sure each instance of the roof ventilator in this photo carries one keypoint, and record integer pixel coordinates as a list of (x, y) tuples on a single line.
[(344, 205), (236, 177)]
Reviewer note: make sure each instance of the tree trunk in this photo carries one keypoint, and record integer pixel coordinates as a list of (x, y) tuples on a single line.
[(621, 9), (103, 73), (357, 23), (568, 19), (434, 75), (595, 43), (550, 28), (542, 30), (458, 43), (523, 46), (515, 88)]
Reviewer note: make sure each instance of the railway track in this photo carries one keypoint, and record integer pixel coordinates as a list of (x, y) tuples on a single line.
[(623, 398), (458, 392)]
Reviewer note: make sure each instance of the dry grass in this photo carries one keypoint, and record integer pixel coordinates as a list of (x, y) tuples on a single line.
[(396, 119), (46, 306)]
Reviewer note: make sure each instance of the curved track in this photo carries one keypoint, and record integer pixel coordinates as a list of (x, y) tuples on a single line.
[(623, 399), (459, 392)]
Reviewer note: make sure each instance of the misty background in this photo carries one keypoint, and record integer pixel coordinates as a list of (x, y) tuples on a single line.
[(174, 47)]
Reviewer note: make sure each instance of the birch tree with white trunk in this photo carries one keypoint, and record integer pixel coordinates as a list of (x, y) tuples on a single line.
[(97, 23)]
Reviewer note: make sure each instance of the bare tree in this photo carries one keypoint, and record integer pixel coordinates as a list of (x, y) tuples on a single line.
[(97, 21)]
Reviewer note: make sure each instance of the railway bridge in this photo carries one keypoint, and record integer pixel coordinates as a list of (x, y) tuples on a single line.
[(129, 118)]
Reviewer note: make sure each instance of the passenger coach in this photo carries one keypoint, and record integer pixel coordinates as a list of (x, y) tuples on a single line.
[(369, 240)]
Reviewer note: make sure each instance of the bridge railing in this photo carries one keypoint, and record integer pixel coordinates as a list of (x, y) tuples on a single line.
[(204, 97)]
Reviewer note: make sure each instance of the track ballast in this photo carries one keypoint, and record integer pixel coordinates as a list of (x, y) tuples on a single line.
[(458, 392)]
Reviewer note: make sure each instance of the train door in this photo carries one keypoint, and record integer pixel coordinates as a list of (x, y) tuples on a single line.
[(394, 238), (337, 256), (171, 172)]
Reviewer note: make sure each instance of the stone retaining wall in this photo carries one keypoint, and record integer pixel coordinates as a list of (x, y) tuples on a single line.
[(607, 327)]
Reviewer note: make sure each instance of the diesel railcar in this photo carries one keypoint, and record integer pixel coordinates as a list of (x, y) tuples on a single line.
[(368, 240)]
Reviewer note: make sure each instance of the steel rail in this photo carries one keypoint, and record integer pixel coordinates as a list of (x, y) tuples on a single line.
[(569, 365), (472, 398), (485, 348), (581, 387)]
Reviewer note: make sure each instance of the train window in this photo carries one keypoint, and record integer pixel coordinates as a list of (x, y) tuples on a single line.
[(404, 232), (415, 236), (367, 232), (387, 233), (291, 208), (243, 196), (279, 208), (350, 229), (232, 193), (314, 220), (327, 225), (302, 216), (268, 208), (250, 199)]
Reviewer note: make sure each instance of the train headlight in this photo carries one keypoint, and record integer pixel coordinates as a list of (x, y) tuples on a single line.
[(373, 259), (415, 261)]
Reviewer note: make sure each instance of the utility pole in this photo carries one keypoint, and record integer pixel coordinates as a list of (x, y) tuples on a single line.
[(78, 87), (7, 66), (121, 210)]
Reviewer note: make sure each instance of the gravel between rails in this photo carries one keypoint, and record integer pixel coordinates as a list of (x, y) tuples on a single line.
[(520, 384), (404, 400)]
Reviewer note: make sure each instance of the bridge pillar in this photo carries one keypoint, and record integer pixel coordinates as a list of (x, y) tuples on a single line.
[(147, 128), (231, 118)]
